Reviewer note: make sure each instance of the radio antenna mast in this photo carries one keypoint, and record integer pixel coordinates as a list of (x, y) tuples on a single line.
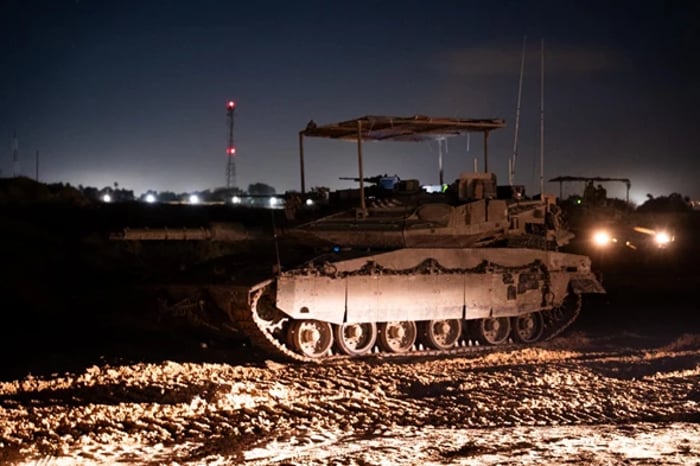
[(231, 149), (542, 120), (511, 165)]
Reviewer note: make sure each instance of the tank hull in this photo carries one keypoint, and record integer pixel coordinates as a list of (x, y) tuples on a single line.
[(429, 284), (408, 301)]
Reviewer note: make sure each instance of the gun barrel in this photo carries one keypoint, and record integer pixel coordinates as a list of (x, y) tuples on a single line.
[(367, 179)]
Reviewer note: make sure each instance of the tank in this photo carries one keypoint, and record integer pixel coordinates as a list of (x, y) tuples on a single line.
[(406, 271)]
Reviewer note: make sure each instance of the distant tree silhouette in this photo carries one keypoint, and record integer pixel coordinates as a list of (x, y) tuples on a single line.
[(90, 192), (261, 189), (225, 194), (674, 202), (168, 196)]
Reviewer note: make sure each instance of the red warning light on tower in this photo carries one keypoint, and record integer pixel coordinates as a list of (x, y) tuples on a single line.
[(231, 147)]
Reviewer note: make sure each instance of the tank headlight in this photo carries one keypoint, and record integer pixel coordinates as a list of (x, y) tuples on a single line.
[(662, 238), (602, 238)]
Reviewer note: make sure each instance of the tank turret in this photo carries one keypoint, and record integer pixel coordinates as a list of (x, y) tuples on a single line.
[(469, 213)]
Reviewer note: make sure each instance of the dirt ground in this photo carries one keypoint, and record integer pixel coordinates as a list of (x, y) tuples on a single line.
[(90, 376), (583, 398)]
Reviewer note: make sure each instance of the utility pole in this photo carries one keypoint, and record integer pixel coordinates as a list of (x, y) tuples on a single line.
[(231, 149)]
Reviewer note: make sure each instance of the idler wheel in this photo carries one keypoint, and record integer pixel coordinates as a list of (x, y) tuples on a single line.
[(492, 331), (397, 337), (311, 338), (528, 328), (355, 339), (441, 334)]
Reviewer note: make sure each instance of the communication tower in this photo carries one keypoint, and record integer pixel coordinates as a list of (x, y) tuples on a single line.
[(231, 149)]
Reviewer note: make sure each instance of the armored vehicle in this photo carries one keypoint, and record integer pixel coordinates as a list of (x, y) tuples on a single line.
[(407, 271)]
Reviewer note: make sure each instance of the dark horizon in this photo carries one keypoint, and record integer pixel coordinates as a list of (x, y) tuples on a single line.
[(136, 93)]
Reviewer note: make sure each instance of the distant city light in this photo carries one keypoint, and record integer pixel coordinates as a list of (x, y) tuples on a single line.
[(236, 200), (107, 198), (150, 198), (194, 199), (309, 202), (274, 201)]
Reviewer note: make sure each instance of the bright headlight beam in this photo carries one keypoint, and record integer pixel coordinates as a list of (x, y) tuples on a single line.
[(601, 238), (662, 238)]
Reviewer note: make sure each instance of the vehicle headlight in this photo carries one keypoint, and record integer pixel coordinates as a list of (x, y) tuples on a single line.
[(662, 238), (602, 238)]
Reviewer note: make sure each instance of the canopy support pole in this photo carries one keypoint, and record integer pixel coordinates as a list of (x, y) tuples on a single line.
[(363, 206), (301, 162)]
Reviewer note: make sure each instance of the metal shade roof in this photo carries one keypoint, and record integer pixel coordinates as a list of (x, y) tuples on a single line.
[(562, 179), (392, 128)]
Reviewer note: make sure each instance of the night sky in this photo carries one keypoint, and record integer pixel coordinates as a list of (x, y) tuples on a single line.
[(136, 92)]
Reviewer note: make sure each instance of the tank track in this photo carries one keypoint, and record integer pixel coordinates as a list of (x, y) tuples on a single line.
[(254, 315)]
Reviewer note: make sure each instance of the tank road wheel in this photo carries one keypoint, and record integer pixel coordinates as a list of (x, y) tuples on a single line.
[(527, 328), (492, 331), (312, 338), (397, 337), (355, 339), (441, 334)]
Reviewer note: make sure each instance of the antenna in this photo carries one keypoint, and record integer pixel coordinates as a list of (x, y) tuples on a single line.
[(511, 162), (231, 149), (542, 120)]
